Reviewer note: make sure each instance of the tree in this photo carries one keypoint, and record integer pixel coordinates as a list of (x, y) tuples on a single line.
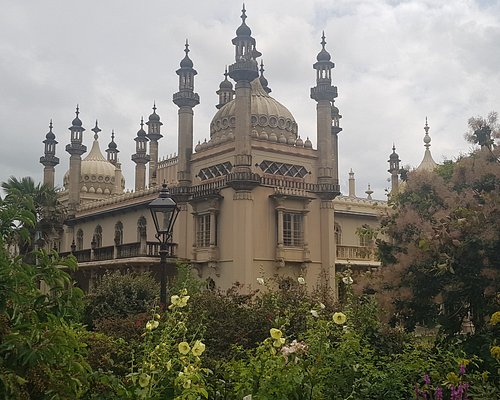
[(442, 257), (41, 200)]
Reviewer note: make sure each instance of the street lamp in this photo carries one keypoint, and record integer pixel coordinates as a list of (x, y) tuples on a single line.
[(164, 211)]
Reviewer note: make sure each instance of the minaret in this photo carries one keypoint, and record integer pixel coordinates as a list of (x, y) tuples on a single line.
[(243, 71), (324, 93), (262, 78), (75, 149), (225, 92), (112, 149), (428, 163), (153, 135), (352, 184), (186, 99), (394, 170), (112, 157), (328, 183), (141, 158), (49, 159)]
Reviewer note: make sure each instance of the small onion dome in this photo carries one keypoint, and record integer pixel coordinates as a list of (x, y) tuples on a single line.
[(186, 61), (226, 84), (394, 155), (299, 142), (154, 117), (291, 140), (308, 144), (141, 132), (198, 147), (282, 138), (273, 137), (264, 135), (50, 135), (323, 55), (77, 121), (112, 144), (243, 29)]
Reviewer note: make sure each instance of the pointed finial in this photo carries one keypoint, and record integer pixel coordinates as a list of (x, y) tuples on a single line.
[(426, 127), (112, 135), (50, 125), (77, 110), (142, 122), (243, 13), (225, 73), (186, 50), (154, 106), (96, 131), (261, 67), (393, 147), (427, 138), (323, 41)]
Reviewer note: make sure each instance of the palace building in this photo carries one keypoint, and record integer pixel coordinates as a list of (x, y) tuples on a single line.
[(256, 198)]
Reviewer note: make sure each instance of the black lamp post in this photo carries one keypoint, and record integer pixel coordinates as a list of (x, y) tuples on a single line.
[(164, 211)]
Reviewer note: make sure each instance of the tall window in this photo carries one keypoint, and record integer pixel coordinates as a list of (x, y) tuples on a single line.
[(141, 228), (203, 230), (118, 233), (338, 234), (293, 229), (79, 240), (98, 236)]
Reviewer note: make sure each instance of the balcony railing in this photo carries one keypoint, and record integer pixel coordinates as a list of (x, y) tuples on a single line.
[(358, 253), (128, 250)]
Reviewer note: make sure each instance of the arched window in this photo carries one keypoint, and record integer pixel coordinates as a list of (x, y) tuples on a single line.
[(98, 236), (338, 234), (118, 233), (79, 239), (141, 228)]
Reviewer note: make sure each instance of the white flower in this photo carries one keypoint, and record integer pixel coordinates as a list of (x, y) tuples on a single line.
[(347, 280), (301, 280), (314, 313), (260, 281), (150, 325), (322, 306)]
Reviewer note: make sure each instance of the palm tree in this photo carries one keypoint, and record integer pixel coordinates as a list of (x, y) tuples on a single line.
[(39, 199)]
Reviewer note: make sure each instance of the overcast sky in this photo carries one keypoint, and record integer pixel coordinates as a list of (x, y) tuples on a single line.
[(396, 63)]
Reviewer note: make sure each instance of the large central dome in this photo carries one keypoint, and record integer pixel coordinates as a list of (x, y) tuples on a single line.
[(266, 114)]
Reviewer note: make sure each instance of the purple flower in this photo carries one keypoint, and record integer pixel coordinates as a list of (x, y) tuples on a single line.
[(462, 369), (439, 393), (427, 379)]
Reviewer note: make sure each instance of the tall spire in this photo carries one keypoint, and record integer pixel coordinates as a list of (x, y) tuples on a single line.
[(154, 125), (141, 158), (49, 159), (75, 149), (428, 163), (186, 99), (394, 170)]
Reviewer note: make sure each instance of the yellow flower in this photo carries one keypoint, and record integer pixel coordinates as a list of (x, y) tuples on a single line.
[(453, 378), (495, 318), (144, 380), (339, 318), (495, 352), (184, 348), (182, 301), (150, 325), (276, 333), (187, 384), (301, 280), (198, 348), (279, 342), (184, 292), (174, 299)]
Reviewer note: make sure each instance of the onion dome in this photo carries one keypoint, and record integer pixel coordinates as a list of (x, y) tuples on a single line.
[(323, 55), (50, 135), (97, 174), (154, 117), (266, 112), (226, 83), (308, 144), (299, 142), (141, 132), (243, 29), (186, 62), (112, 144), (394, 155), (77, 121)]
